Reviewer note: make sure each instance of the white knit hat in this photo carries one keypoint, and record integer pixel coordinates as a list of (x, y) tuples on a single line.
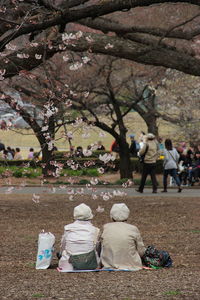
[(150, 136), (83, 212), (119, 212)]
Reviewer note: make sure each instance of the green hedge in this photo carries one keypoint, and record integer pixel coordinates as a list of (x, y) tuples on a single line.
[(135, 164), (63, 154)]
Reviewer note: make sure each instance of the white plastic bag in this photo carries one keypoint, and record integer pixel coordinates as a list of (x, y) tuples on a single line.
[(46, 241)]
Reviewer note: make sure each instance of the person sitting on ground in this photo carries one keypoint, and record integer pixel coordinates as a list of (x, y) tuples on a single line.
[(100, 146), (79, 151), (11, 154), (18, 155), (121, 243), (2, 146), (78, 243), (194, 170), (31, 153), (7, 155)]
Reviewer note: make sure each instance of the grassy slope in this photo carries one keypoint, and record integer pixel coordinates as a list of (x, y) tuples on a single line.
[(26, 139)]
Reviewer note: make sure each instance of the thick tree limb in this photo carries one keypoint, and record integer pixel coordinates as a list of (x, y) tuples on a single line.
[(93, 11), (114, 46)]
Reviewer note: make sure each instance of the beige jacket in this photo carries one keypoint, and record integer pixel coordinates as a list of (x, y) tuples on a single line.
[(122, 246), (153, 152)]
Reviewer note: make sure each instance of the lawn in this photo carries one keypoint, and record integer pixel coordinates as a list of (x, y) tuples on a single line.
[(26, 139), (170, 224)]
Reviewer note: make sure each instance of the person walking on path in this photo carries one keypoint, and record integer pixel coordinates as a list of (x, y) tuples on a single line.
[(151, 151), (171, 158)]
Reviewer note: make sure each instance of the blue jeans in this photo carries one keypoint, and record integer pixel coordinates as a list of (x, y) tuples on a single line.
[(193, 173), (173, 173)]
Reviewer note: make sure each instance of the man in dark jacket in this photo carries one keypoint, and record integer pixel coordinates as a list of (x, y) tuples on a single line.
[(134, 147)]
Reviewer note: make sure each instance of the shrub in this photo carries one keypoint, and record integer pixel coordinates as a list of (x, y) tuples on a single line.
[(83, 172), (84, 181), (121, 181), (19, 172)]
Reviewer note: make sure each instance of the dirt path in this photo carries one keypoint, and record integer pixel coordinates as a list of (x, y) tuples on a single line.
[(171, 223)]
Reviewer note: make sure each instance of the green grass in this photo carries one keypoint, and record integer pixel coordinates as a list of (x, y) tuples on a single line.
[(172, 293), (30, 265), (195, 230), (38, 295), (25, 139)]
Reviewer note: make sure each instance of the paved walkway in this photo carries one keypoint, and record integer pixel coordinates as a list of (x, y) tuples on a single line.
[(172, 192)]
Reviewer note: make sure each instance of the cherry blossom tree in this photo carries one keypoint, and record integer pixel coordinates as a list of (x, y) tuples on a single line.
[(33, 31), (41, 28), (178, 103)]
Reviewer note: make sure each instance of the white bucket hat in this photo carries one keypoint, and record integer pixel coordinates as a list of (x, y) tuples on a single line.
[(83, 212), (119, 212)]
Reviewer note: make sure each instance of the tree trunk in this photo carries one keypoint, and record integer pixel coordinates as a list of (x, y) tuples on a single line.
[(49, 168), (48, 159), (125, 162), (151, 122)]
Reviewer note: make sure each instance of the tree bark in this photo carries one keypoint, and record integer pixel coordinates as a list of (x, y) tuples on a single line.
[(151, 122), (125, 161)]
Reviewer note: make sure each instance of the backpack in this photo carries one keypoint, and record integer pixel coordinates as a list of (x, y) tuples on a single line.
[(154, 258), (142, 157)]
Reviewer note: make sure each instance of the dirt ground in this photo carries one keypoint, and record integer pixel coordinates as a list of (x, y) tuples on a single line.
[(107, 177), (170, 223)]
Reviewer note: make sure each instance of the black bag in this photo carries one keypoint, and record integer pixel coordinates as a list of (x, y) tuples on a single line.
[(156, 258), (85, 261), (142, 157)]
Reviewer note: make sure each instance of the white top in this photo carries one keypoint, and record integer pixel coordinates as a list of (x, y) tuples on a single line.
[(171, 159), (79, 237)]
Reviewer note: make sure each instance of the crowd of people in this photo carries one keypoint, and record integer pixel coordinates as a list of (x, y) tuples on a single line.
[(84, 247), (8, 153), (182, 163)]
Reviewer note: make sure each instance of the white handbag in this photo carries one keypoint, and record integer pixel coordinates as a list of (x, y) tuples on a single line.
[(46, 241)]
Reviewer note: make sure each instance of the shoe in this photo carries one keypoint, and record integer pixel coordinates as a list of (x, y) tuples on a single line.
[(179, 190), (154, 192), (139, 191), (164, 191)]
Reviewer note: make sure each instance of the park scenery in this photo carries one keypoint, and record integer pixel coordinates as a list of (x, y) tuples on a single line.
[(100, 112)]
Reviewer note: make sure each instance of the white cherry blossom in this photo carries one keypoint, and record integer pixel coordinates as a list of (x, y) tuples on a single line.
[(38, 56), (108, 46), (100, 209), (75, 66), (85, 59), (87, 152), (36, 198)]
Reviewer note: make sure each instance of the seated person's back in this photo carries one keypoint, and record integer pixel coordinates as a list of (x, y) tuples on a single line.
[(18, 154), (122, 245), (80, 237)]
